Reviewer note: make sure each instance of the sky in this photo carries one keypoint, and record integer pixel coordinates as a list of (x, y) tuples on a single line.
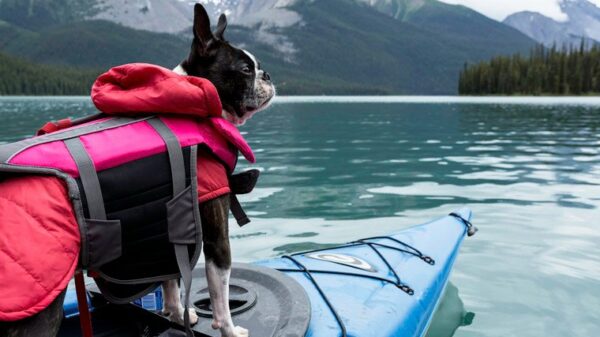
[(500, 9)]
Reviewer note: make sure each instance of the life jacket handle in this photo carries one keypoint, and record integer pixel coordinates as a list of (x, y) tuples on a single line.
[(50, 127)]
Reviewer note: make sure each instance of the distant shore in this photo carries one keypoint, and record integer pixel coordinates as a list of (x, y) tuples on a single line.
[(425, 99)]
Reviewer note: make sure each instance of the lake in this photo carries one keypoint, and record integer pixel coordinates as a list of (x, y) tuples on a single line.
[(338, 169)]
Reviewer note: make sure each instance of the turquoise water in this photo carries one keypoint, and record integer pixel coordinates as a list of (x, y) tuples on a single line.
[(335, 170)]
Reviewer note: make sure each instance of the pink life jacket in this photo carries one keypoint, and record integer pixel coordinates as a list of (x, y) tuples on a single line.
[(131, 175)]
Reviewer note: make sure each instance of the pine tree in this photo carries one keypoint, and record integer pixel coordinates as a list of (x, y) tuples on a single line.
[(18, 77), (546, 71)]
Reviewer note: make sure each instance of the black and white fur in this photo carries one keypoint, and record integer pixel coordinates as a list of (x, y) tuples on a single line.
[(244, 89)]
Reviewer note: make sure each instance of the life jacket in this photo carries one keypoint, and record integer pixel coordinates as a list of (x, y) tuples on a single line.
[(131, 174)]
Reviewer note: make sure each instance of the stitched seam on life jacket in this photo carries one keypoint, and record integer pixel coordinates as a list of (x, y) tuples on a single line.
[(196, 204), (119, 300), (152, 224), (54, 134), (138, 280), (34, 308), (208, 150), (117, 214), (207, 100), (109, 203), (214, 194), (41, 223), (73, 194), (26, 270)]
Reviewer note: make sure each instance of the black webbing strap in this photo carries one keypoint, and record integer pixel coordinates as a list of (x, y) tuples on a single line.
[(307, 272), (471, 230), (241, 183), (237, 211), (178, 176), (408, 249), (89, 178), (301, 268)]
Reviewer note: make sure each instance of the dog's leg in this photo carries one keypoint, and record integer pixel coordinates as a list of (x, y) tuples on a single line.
[(215, 229), (172, 307), (44, 324)]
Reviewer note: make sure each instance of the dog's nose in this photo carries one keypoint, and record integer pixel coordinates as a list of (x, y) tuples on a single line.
[(266, 76)]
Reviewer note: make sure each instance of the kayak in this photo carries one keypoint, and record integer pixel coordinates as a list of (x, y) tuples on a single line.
[(374, 287)]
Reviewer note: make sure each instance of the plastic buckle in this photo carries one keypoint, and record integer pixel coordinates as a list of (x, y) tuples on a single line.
[(428, 260), (406, 289)]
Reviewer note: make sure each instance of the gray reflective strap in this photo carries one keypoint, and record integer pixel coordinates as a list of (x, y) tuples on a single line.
[(7, 151), (178, 176), (183, 262), (175, 154), (89, 178)]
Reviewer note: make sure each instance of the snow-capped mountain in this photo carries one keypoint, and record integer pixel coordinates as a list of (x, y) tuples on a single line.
[(173, 16), (176, 16), (309, 46), (583, 22), (152, 15), (399, 9)]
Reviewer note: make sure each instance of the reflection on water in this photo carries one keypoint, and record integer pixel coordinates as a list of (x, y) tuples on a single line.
[(450, 315), (334, 172)]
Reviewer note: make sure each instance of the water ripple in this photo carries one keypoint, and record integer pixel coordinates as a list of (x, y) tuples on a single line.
[(529, 168)]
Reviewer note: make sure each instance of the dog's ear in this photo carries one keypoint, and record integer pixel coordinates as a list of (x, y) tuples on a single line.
[(221, 27), (202, 31)]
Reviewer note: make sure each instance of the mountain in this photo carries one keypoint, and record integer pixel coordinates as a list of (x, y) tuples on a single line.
[(53, 32), (583, 23), (309, 46), (94, 44), (166, 16), (460, 25), (157, 16), (38, 14), (418, 50), (399, 9)]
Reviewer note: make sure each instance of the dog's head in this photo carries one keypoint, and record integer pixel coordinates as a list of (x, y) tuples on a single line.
[(244, 88)]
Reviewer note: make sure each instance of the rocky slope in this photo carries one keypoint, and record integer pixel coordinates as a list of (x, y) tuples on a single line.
[(309, 46), (583, 23)]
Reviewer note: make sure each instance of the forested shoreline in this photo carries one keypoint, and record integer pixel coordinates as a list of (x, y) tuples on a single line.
[(545, 71), (19, 77)]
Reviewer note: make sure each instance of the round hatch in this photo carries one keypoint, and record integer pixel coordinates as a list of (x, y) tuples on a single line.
[(265, 301)]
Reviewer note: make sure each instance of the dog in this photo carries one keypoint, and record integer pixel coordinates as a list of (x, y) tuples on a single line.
[(244, 89)]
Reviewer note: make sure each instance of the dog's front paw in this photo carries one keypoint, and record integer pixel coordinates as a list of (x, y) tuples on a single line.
[(177, 317), (238, 331), (193, 316)]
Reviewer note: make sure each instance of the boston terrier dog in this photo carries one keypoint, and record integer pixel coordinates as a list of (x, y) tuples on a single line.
[(244, 89), (243, 86)]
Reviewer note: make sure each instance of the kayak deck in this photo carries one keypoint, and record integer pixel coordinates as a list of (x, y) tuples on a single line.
[(375, 287), (367, 306)]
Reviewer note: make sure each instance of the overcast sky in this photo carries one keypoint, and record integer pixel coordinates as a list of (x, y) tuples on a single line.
[(500, 9)]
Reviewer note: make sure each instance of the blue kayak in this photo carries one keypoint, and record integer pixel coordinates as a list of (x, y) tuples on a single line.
[(374, 287)]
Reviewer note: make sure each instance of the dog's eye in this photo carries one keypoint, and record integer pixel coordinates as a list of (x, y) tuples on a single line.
[(246, 70)]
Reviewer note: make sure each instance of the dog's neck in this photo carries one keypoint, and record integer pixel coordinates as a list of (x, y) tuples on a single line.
[(180, 71)]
